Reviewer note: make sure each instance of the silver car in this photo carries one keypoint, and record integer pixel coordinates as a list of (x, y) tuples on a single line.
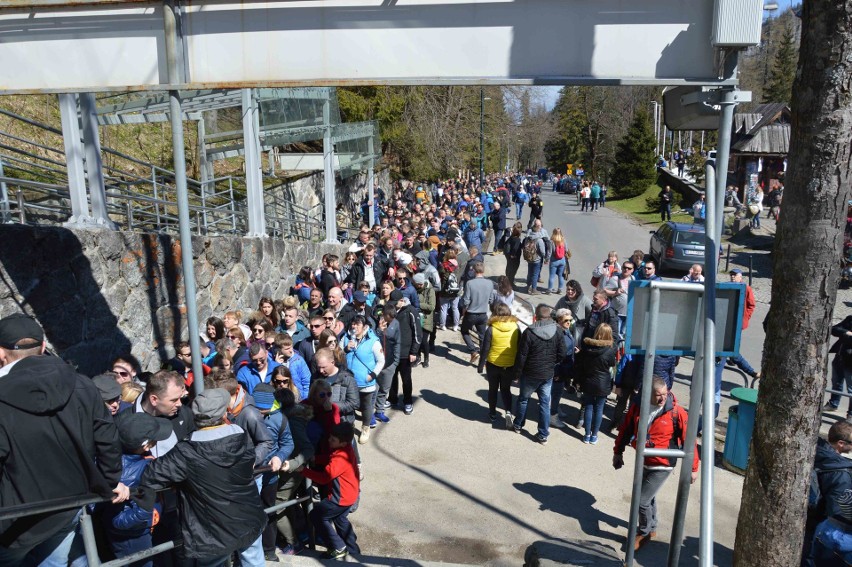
[(677, 246)]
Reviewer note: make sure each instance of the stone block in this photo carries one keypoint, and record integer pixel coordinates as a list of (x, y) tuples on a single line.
[(562, 553)]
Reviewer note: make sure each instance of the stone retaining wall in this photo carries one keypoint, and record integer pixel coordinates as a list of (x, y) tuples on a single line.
[(100, 293)]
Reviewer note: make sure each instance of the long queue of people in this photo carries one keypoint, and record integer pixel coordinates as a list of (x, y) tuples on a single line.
[(284, 386)]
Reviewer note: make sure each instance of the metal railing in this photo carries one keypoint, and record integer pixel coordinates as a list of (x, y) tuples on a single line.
[(87, 530)]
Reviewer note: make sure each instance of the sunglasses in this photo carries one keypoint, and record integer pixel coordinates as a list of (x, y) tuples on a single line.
[(281, 382), (122, 373), (317, 326), (258, 330), (233, 337), (329, 318)]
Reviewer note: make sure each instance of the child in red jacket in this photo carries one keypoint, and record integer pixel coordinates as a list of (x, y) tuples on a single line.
[(340, 475)]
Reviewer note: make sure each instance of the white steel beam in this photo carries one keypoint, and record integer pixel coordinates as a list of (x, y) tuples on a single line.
[(94, 165), (78, 46), (254, 175), (74, 161)]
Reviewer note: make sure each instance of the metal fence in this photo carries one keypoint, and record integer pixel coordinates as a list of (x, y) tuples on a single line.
[(87, 530)]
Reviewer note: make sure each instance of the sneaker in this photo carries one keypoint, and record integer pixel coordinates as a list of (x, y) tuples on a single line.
[(425, 364), (442, 328), (510, 421), (270, 557), (516, 429), (336, 553), (593, 440), (409, 409), (556, 422), (541, 439), (386, 405), (457, 328), (474, 357), (586, 439), (288, 550), (364, 437), (830, 407), (373, 422), (381, 417)]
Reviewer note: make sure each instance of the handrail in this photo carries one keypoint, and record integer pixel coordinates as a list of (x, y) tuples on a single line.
[(48, 506)]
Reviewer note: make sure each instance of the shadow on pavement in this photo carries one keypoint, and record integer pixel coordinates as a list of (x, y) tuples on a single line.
[(689, 553), (576, 503), (571, 553), (464, 409)]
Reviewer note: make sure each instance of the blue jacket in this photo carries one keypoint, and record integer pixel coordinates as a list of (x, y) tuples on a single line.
[(361, 361), (300, 373), (565, 368), (279, 428), (249, 377), (302, 331), (127, 520), (474, 236), (410, 292)]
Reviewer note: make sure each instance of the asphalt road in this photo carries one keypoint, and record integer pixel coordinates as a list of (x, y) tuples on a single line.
[(446, 484)]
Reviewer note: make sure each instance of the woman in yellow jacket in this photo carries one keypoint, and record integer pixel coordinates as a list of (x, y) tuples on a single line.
[(497, 354)]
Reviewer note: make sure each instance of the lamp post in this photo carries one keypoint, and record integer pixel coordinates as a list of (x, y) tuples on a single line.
[(482, 99)]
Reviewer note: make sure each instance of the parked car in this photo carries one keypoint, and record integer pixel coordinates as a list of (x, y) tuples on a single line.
[(677, 245)]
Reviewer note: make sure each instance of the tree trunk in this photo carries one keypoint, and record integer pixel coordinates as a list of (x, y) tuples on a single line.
[(808, 246)]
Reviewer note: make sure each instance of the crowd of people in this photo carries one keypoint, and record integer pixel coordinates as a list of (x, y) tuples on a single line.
[(293, 387)]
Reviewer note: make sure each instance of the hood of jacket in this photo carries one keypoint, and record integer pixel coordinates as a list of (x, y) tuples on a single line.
[(545, 330), (38, 385), (505, 323), (829, 459), (595, 344), (223, 445)]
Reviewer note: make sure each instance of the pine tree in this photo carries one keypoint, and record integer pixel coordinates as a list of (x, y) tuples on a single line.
[(635, 169), (780, 87)]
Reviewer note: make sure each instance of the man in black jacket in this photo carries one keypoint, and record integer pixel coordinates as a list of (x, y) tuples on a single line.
[(602, 312), (53, 421), (368, 269), (344, 389), (409, 344), (220, 506), (830, 513), (841, 364), (541, 347)]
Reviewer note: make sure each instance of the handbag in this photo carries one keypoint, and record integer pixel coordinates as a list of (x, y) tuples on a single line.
[(595, 281)]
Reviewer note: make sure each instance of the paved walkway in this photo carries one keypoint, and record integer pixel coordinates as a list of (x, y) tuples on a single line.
[(447, 484)]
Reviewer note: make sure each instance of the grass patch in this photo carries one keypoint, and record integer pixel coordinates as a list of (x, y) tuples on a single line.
[(637, 207)]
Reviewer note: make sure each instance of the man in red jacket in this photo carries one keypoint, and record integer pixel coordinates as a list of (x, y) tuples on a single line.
[(667, 429)]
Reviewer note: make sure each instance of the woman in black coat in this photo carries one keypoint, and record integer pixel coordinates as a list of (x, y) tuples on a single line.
[(513, 249), (595, 365)]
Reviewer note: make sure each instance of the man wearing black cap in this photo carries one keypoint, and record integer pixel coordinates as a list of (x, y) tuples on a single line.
[(110, 392), (53, 421), (409, 346), (358, 306)]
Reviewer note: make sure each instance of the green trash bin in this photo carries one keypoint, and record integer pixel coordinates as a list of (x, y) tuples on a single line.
[(740, 429)]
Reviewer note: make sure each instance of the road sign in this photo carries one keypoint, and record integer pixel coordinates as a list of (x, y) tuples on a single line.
[(570, 167), (580, 172)]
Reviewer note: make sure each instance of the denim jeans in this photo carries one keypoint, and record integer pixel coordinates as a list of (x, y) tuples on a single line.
[(533, 271), (519, 209), (832, 545), (331, 521), (840, 376), (593, 410), (498, 238), (556, 396), (557, 272), (542, 389), (53, 552), (666, 211), (652, 481), (448, 303)]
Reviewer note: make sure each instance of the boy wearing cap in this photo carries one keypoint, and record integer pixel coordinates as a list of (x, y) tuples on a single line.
[(340, 476), (52, 420), (128, 525), (220, 506)]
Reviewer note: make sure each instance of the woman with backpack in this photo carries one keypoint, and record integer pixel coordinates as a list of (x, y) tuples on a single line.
[(513, 249), (450, 290), (559, 256)]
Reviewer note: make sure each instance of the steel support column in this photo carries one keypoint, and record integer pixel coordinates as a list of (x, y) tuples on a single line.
[(204, 166), (254, 176), (371, 190), (74, 161), (94, 165), (176, 121), (328, 175), (4, 197)]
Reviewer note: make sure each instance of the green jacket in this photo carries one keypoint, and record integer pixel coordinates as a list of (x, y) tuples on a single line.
[(427, 306)]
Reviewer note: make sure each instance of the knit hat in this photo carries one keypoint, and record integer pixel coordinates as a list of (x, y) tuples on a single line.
[(396, 295), (264, 396), (419, 279), (18, 327), (107, 386), (138, 429), (211, 405)]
